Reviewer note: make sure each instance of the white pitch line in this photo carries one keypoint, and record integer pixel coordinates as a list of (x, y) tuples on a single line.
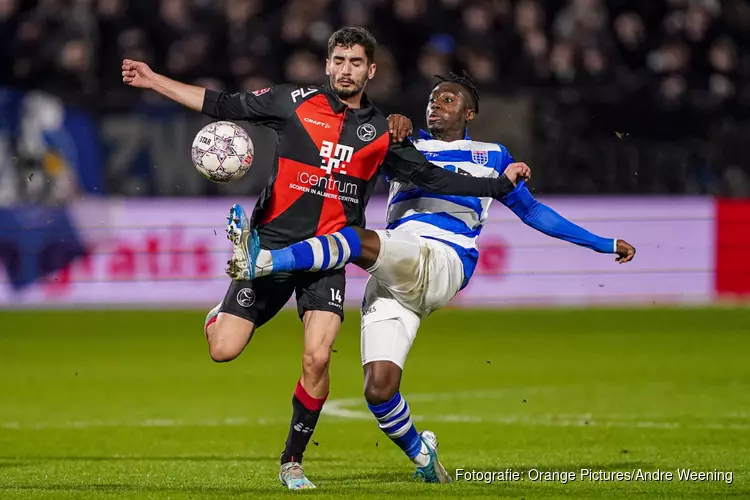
[(342, 408), (154, 422), (339, 408), (550, 420)]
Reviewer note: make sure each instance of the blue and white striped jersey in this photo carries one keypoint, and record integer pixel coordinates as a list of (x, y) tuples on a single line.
[(455, 220)]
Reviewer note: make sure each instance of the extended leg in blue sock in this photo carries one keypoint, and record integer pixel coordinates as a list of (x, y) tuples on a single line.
[(394, 419), (331, 251)]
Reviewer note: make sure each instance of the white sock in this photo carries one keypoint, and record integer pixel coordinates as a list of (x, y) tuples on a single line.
[(423, 458), (264, 263)]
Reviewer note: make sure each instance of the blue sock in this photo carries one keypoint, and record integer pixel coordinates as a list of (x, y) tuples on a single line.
[(394, 419), (331, 251)]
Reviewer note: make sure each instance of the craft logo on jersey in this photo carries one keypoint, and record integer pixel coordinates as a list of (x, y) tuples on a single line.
[(366, 132), (318, 123), (260, 92), (481, 157), (335, 157)]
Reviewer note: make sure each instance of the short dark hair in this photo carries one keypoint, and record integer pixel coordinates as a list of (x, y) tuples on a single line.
[(351, 36), (466, 82)]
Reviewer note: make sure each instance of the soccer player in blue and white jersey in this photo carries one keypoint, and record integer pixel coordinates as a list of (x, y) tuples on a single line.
[(424, 257)]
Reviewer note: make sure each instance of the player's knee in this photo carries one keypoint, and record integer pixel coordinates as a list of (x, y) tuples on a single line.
[(222, 346), (362, 232), (315, 362), (227, 337), (381, 383), (369, 247), (221, 352), (377, 394)]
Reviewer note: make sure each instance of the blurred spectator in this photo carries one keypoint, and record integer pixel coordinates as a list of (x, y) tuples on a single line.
[(304, 68), (581, 20), (482, 66), (529, 17), (562, 63), (631, 40), (385, 87), (723, 79), (8, 32)]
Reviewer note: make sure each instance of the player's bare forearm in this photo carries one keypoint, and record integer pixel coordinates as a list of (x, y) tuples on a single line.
[(190, 96), (138, 74)]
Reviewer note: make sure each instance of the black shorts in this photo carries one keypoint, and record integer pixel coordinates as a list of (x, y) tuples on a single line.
[(259, 300)]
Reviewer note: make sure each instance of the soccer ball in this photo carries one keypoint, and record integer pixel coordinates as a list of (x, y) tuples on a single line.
[(222, 151)]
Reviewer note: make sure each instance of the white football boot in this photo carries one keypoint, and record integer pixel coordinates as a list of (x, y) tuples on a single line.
[(433, 472), (293, 477), (246, 244)]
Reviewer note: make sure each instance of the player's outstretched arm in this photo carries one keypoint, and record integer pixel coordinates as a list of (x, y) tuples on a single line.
[(407, 164), (140, 75), (544, 219), (261, 107)]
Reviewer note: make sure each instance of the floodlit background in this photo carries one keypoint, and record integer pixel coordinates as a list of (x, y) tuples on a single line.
[(635, 117)]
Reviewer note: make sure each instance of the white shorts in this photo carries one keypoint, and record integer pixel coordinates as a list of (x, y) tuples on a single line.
[(412, 277)]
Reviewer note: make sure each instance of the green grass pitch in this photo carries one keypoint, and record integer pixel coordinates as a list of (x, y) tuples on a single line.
[(121, 404)]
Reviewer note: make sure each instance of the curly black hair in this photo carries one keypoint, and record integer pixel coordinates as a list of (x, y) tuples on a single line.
[(466, 82), (351, 36)]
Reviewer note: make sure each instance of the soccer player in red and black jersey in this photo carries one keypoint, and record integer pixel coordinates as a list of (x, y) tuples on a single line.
[(332, 143)]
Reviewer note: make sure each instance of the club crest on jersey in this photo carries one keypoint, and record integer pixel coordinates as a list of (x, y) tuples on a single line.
[(481, 157), (260, 92), (366, 132), (246, 297)]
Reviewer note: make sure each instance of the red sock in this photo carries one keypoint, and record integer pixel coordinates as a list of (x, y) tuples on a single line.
[(209, 323), (304, 419), (309, 402)]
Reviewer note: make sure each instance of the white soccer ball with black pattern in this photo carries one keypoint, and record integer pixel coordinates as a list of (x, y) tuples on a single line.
[(222, 151)]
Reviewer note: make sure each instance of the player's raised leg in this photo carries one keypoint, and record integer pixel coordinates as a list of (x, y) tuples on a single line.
[(388, 331), (321, 253), (226, 334), (247, 305)]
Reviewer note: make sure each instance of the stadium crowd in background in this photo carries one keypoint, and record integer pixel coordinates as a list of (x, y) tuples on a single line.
[(669, 52), (674, 71)]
